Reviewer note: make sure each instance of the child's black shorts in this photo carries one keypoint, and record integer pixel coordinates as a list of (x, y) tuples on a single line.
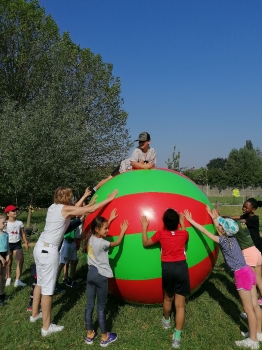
[(3, 254), (15, 246), (175, 278)]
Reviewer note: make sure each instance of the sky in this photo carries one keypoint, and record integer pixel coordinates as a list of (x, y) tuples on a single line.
[(190, 70)]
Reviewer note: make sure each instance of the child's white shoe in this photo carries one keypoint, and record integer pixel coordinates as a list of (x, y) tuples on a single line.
[(246, 335), (19, 283), (247, 343), (8, 282), (33, 319)]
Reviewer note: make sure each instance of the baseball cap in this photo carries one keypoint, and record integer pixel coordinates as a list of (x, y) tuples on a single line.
[(10, 207), (144, 136), (229, 225)]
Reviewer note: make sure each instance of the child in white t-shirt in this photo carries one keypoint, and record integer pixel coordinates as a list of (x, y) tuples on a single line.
[(15, 230)]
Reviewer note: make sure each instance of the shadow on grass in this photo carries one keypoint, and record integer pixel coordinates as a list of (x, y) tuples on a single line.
[(226, 304), (69, 298)]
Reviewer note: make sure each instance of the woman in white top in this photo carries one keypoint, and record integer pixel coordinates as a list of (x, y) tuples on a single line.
[(46, 251)]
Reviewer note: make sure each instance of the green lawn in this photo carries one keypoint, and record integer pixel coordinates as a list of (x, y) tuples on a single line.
[(212, 318)]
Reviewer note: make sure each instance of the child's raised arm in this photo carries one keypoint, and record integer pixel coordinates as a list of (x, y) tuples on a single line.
[(113, 215), (146, 241), (81, 200), (202, 229), (182, 221), (123, 228)]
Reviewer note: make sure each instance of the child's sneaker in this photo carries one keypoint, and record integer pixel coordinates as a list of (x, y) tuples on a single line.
[(175, 343), (246, 335), (8, 282), (65, 280), (89, 341), (111, 338), (247, 343), (53, 328), (37, 317), (19, 283), (259, 301), (166, 323), (243, 315)]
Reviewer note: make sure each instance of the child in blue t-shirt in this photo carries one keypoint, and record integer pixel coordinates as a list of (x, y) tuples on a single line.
[(4, 257)]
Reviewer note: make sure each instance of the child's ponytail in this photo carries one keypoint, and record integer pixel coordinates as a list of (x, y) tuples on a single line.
[(86, 240), (97, 223)]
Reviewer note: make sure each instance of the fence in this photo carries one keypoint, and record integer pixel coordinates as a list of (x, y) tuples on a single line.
[(245, 192)]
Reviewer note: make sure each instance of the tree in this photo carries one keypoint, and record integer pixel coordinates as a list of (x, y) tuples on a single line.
[(199, 176), (174, 162), (217, 163), (71, 127), (244, 166), (249, 145), (26, 36)]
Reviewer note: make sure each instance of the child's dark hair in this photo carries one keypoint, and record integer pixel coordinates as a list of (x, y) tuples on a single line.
[(97, 222), (171, 219), (255, 204)]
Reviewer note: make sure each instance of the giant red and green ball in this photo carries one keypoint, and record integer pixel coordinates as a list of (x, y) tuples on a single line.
[(137, 270)]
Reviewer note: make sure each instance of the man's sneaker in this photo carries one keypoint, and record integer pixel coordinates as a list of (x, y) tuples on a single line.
[(37, 317), (246, 335), (111, 338), (247, 343), (166, 323), (175, 343), (89, 341), (53, 328), (29, 308), (8, 282), (259, 301), (19, 283), (243, 315)]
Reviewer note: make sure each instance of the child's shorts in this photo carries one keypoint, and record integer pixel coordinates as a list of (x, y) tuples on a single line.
[(3, 254), (245, 278), (252, 256), (175, 278), (15, 246), (68, 252)]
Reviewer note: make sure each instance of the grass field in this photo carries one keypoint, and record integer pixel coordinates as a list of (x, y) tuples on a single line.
[(212, 319)]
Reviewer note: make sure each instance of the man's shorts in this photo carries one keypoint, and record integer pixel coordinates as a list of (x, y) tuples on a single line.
[(252, 256), (175, 278), (47, 261), (15, 246), (68, 252), (245, 278)]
